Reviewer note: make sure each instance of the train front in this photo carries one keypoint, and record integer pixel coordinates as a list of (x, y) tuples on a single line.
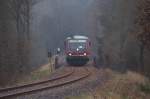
[(77, 51)]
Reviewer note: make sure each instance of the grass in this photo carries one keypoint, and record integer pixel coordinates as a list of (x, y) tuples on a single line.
[(40, 73), (126, 86), (84, 96), (129, 85), (145, 88)]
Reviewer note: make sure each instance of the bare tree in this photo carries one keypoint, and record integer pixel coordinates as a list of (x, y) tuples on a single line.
[(143, 21), (21, 13)]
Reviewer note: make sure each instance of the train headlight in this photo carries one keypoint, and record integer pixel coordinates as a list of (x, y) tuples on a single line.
[(70, 54), (84, 54)]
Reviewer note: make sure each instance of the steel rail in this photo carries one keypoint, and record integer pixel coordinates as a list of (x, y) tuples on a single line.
[(88, 73), (37, 83)]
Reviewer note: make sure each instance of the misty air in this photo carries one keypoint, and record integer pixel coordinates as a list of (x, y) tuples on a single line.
[(74, 49)]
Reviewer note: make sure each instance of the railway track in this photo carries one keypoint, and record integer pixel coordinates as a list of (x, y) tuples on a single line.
[(68, 78)]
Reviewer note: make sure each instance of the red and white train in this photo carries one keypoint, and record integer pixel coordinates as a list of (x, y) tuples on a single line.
[(78, 50)]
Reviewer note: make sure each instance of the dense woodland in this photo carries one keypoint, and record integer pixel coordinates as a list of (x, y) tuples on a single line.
[(15, 39), (124, 41), (121, 30)]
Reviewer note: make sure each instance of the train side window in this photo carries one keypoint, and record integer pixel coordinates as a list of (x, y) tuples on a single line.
[(89, 43), (65, 43)]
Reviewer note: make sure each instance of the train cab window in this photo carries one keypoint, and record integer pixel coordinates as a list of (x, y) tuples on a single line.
[(77, 46)]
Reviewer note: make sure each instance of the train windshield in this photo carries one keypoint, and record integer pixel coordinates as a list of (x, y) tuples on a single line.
[(77, 45)]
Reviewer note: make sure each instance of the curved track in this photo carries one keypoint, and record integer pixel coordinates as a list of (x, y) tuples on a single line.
[(73, 76)]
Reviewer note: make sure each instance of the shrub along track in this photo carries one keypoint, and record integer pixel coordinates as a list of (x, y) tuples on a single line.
[(74, 75)]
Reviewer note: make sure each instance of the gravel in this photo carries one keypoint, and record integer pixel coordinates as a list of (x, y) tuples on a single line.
[(84, 86)]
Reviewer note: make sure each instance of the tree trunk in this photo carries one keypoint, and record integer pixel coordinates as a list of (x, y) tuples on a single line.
[(141, 58)]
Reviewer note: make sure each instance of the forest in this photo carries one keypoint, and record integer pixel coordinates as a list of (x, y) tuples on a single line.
[(119, 30)]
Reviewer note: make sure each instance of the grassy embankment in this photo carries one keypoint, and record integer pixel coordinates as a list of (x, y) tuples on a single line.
[(129, 85), (41, 73)]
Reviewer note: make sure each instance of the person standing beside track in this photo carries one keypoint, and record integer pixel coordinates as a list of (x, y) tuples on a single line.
[(57, 58), (50, 61)]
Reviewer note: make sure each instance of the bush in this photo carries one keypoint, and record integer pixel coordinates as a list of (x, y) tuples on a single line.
[(145, 88)]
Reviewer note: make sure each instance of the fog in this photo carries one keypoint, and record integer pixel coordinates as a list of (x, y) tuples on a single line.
[(110, 24), (54, 20)]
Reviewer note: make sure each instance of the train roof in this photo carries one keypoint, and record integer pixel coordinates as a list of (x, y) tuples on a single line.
[(80, 37), (77, 37)]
